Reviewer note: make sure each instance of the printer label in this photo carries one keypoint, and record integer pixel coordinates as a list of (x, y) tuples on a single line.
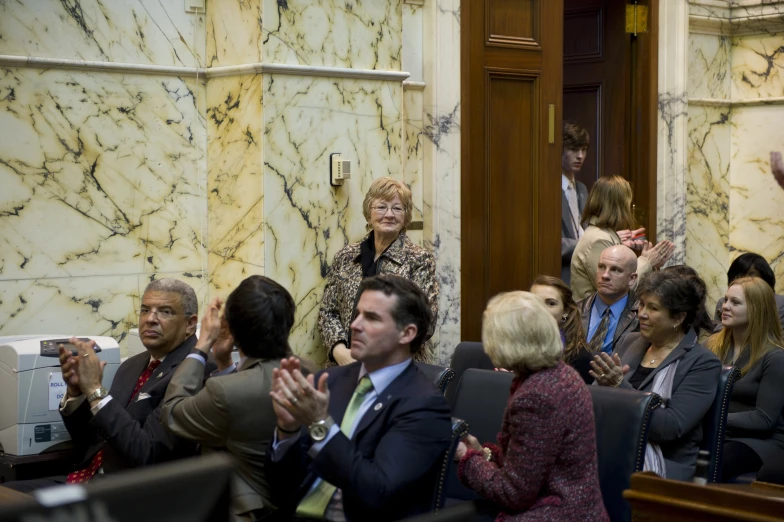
[(57, 389), (50, 433)]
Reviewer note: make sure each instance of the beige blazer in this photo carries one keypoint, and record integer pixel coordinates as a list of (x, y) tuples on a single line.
[(233, 413), (585, 260)]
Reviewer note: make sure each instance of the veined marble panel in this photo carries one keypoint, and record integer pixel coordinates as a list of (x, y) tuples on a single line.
[(758, 66), (128, 31), (102, 174), (708, 197), (308, 220), (235, 182), (709, 66), (413, 153), (412, 41), (756, 201), (233, 32), (441, 179), (93, 305), (672, 125), (333, 33)]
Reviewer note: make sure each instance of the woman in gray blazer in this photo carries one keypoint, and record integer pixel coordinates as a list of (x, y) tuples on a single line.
[(665, 358), (751, 339)]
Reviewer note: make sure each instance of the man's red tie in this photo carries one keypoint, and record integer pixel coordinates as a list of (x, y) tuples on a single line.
[(83, 475)]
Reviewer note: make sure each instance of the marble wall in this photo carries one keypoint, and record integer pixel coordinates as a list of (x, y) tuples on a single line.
[(102, 173), (721, 102), (197, 146)]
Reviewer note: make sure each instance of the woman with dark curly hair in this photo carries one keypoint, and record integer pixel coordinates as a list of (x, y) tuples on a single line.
[(665, 358), (557, 298)]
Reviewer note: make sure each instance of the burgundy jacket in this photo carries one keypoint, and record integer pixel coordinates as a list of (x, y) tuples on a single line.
[(544, 467)]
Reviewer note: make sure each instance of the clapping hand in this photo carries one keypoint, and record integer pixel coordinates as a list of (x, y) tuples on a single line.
[(608, 371), (89, 369), (69, 364), (298, 400), (659, 254)]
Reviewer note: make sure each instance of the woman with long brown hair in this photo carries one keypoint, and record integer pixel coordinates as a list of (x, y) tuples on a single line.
[(752, 341), (557, 298), (609, 208)]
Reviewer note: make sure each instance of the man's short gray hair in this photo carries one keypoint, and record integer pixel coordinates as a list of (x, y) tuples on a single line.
[(190, 304)]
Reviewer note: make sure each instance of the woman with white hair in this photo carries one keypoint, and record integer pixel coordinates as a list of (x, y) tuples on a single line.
[(544, 466)]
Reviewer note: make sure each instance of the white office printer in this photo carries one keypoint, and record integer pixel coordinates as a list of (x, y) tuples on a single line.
[(31, 387)]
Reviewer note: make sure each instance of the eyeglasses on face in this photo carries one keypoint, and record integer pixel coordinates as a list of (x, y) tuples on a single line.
[(383, 209), (160, 314)]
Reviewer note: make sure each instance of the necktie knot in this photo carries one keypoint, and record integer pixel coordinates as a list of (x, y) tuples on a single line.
[(364, 386), (153, 365)]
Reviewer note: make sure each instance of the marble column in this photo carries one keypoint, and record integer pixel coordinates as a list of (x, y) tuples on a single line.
[(441, 139), (721, 100)]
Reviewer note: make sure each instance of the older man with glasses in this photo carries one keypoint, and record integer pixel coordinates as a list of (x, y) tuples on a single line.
[(120, 429)]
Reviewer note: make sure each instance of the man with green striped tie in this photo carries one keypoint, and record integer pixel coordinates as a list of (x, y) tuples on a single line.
[(362, 442)]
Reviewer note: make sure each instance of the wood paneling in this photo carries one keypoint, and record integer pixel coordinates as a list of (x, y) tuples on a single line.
[(513, 131), (602, 21), (610, 82), (512, 22), (511, 71), (583, 32)]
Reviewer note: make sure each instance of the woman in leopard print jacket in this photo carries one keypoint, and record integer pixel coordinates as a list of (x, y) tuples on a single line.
[(385, 250)]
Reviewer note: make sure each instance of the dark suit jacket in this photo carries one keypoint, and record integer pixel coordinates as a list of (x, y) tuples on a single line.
[(627, 323), (677, 428), (568, 230), (131, 435), (388, 470), (232, 412)]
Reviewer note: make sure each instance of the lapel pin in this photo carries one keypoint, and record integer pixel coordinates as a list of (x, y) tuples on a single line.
[(377, 406), (159, 375)]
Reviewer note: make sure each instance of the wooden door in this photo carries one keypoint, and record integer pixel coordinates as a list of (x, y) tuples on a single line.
[(511, 76), (597, 82), (609, 88)]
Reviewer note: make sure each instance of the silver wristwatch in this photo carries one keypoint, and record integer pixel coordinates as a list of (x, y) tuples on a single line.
[(100, 393), (319, 429)]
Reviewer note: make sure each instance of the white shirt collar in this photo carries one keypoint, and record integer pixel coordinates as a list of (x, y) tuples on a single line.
[(565, 182)]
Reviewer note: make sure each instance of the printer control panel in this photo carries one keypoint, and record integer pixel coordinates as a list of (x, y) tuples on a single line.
[(49, 347)]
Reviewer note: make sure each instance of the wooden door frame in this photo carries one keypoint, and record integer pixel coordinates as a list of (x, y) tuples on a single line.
[(645, 124), (643, 139)]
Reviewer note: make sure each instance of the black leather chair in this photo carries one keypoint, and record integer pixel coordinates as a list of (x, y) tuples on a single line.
[(714, 423), (480, 400), (622, 418), (440, 375), (467, 355), (459, 430)]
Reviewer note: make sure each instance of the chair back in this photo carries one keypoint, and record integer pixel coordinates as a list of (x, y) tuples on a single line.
[(467, 355), (714, 424), (480, 400), (622, 418), (440, 375), (459, 430)]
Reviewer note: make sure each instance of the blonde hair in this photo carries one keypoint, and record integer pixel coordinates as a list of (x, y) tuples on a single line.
[(610, 204), (518, 333), (764, 330), (385, 189)]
